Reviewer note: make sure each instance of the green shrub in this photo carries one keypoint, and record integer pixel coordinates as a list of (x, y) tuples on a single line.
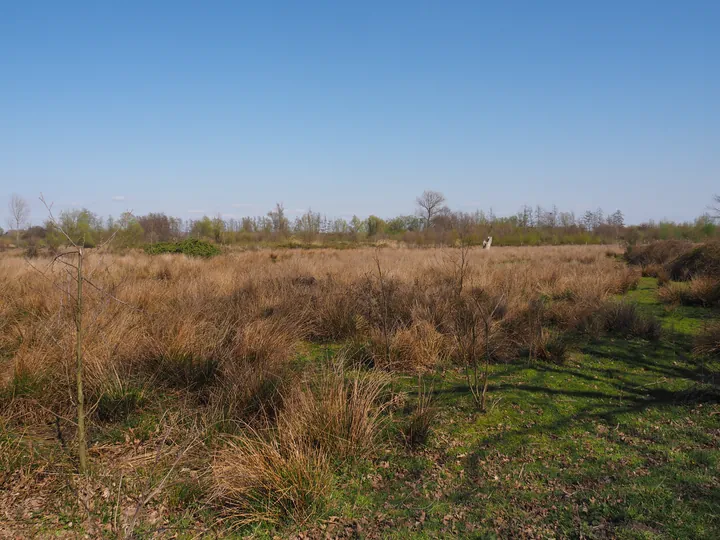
[(191, 247)]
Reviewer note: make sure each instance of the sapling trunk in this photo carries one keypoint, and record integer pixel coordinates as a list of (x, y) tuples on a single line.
[(81, 436)]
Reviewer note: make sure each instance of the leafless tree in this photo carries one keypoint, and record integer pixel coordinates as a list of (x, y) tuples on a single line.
[(74, 258), (431, 204), (19, 213), (384, 305), (716, 207)]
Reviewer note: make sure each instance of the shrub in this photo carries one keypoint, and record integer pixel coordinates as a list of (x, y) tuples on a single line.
[(708, 342), (417, 427), (549, 346), (703, 291), (191, 247), (624, 319), (656, 253), (703, 260)]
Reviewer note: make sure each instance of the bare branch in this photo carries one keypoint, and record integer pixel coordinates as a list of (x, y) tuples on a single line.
[(55, 221)]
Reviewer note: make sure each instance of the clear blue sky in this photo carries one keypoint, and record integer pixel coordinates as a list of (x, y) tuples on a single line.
[(357, 107)]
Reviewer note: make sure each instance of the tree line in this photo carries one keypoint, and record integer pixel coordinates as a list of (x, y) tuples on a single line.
[(434, 223)]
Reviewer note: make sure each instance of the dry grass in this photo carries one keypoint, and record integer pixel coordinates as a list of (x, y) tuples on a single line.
[(699, 291), (708, 342), (337, 411), (187, 323), (224, 335), (420, 419), (261, 478), (284, 473)]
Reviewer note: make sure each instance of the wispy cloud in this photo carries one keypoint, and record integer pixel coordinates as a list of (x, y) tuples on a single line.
[(196, 211), (229, 216), (118, 197)]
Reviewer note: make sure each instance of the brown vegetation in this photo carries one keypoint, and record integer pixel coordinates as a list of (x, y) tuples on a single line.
[(226, 334)]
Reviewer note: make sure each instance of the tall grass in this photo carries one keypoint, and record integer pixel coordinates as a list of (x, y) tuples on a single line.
[(226, 335), (284, 472), (235, 320)]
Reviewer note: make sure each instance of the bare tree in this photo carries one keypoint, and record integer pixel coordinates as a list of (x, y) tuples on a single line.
[(431, 204), (384, 309), (716, 207), (79, 276), (476, 316), (280, 223), (19, 213)]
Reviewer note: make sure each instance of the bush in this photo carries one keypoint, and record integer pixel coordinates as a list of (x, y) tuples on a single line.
[(624, 319), (700, 291), (550, 347), (656, 253), (703, 260), (191, 247), (708, 342), (621, 319), (418, 426)]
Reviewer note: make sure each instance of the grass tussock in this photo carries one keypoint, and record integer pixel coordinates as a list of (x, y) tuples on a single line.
[(699, 291), (707, 343), (420, 418), (338, 411), (625, 319), (270, 479), (549, 346), (619, 318), (285, 472)]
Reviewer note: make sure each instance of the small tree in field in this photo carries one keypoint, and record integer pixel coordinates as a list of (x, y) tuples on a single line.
[(74, 258), (431, 204), (475, 315), (19, 214)]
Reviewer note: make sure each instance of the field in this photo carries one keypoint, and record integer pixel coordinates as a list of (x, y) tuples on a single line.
[(391, 392)]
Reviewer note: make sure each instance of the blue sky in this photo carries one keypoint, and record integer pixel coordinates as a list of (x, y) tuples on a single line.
[(357, 107)]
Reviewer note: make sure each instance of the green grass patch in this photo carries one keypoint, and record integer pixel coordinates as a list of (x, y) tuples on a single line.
[(191, 247)]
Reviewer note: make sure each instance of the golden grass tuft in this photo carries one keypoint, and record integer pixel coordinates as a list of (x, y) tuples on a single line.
[(284, 473)]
